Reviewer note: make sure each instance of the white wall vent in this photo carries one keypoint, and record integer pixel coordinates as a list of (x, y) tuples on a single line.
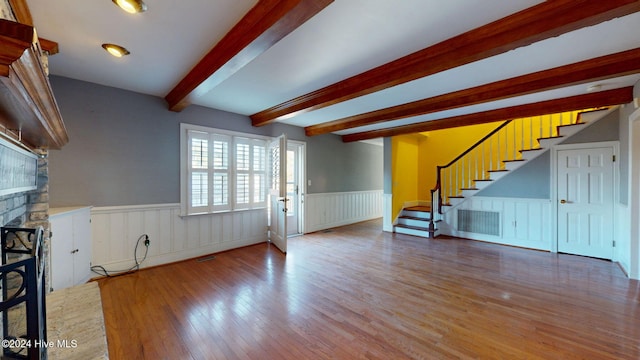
[(479, 222)]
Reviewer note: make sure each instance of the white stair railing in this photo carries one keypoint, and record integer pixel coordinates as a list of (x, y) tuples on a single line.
[(489, 154)]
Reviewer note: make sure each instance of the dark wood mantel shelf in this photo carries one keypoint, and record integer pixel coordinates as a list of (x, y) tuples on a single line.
[(27, 104)]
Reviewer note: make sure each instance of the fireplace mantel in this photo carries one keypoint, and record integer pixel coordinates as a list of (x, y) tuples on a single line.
[(28, 109)]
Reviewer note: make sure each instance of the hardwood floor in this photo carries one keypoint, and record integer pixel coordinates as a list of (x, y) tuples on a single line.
[(356, 292)]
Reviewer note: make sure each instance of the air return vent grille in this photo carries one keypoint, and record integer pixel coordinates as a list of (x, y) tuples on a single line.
[(479, 222)]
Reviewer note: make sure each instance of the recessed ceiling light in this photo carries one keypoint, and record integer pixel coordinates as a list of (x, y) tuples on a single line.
[(131, 6), (115, 50)]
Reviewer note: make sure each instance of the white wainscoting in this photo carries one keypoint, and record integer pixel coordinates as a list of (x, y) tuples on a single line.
[(328, 210), (115, 230), (387, 211), (523, 222), (622, 253)]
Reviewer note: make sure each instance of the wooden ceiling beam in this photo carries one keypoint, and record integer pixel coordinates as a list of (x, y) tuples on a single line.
[(49, 46), (263, 26), (578, 102), (23, 16), (605, 67), (543, 21)]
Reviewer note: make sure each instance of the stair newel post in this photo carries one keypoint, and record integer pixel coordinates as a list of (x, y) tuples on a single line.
[(439, 187)]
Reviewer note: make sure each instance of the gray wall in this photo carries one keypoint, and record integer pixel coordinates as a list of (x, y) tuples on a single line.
[(530, 181), (625, 113), (124, 149), (533, 179), (388, 170)]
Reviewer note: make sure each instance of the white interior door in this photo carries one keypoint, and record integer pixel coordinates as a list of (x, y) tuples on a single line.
[(278, 193), (585, 196)]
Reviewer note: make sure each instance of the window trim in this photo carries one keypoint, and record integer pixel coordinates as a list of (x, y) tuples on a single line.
[(185, 170)]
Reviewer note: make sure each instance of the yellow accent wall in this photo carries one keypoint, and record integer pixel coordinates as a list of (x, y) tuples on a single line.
[(415, 157), (443, 146), (404, 165)]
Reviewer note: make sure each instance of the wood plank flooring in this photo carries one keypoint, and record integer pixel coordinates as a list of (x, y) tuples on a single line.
[(358, 293)]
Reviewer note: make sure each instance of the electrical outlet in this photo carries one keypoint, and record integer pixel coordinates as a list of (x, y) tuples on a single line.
[(147, 242)]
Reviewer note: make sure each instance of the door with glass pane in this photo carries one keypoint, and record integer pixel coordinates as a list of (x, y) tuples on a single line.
[(293, 189), (278, 193)]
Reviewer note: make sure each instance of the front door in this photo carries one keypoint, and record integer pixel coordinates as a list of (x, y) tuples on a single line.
[(585, 202), (278, 193)]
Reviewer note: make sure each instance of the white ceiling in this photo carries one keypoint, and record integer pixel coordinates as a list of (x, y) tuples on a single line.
[(345, 39)]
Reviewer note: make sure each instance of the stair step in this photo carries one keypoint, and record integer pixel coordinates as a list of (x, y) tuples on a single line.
[(455, 200), (419, 208), (532, 153), (424, 215), (497, 174), (567, 126), (550, 137), (550, 141), (412, 230), (513, 164), (414, 221), (568, 130), (533, 150)]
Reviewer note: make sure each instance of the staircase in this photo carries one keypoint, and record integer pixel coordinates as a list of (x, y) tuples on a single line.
[(415, 220), (503, 150)]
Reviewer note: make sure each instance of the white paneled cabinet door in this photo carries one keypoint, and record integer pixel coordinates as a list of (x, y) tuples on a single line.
[(70, 246), (585, 202), (62, 272)]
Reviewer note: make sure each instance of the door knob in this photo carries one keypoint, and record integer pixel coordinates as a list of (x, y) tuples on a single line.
[(563, 201)]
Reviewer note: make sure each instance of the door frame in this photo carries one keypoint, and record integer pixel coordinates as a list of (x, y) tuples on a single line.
[(615, 145), (633, 200), (302, 181)]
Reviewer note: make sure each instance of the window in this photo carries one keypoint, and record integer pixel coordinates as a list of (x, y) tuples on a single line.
[(224, 171)]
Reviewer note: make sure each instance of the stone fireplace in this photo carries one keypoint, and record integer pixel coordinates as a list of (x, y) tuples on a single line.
[(30, 209)]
